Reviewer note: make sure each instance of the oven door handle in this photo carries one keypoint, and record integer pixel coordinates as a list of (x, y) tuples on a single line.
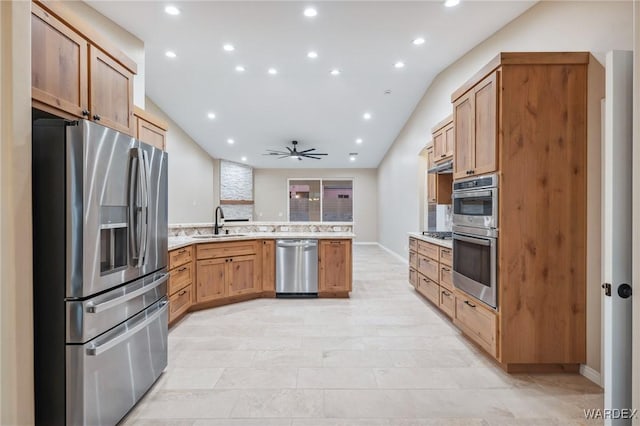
[(473, 194), (479, 241)]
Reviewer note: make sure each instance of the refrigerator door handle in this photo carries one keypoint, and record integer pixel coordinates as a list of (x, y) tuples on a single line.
[(101, 348), (101, 307), (144, 178), (137, 235)]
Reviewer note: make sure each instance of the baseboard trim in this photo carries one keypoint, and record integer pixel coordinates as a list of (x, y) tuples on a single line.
[(365, 243), (591, 374), (394, 254)]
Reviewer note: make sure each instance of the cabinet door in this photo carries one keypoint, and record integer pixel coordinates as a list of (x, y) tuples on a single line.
[(486, 118), (449, 140), (463, 132), (58, 64), (439, 148), (269, 265), (211, 278), (242, 275), (151, 134), (110, 92), (431, 179), (335, 265)]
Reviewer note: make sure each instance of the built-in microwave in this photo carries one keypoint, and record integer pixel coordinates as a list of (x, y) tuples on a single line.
[(475, 202), (475, 263)]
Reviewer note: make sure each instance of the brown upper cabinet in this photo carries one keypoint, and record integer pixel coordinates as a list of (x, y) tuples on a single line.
[(76, 73), (439, 186), (443, 141), (150, 129), (475, 118)]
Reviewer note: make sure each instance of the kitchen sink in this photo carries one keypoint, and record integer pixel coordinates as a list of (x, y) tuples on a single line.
[(207, 236)]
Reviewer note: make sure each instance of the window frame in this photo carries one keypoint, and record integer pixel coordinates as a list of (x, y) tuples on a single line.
[(353, 201)]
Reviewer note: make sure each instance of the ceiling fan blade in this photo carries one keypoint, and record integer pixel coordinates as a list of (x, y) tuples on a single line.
[(284, 156), (315, 153), (307, 150), (315, 158), (276, 153), (290, 150)]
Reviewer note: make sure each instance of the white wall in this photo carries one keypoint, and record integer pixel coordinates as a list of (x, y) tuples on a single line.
[(16, 326), (270, 196), (193, 175), (548, 26)]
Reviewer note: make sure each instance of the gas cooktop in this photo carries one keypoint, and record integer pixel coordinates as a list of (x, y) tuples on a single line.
[(441, 235)]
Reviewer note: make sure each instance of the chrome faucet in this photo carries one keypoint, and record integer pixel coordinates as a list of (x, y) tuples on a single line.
[(216, 227)]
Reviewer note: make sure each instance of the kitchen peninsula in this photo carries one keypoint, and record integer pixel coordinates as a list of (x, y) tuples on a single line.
[(239, 264)]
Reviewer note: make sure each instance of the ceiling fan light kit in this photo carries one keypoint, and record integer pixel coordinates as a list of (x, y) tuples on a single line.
[(294, 154)]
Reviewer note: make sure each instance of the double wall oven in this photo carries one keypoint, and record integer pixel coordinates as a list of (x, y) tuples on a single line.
[(475, 237)]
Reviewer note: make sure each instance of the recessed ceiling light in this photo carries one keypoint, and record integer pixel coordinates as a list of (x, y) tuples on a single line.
[(352, 157), (240, 68), (170, 54), (228, 47), (272, 71), (366, 116), (230, 141), (358, 140), (244, 158), (211, 116), (172, 10), (399, 64), (451, 3), (310, 12), (335, 71), (418, 41), (312, 55)]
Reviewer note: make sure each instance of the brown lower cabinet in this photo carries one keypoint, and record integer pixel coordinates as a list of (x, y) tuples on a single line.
[(477, 322), (211, 274)]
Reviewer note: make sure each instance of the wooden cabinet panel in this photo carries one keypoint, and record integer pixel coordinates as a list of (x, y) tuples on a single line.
[(445, 277), (219, 250), (429, 250), (463, 117), (447, 302), (478, 323), (485, 124), (413, 259), (449, 140), (241, 275), (429, 289), (211, 277), (413, 277), (413, 244), (110, 92), (59, 74), (268, 265), (179, 277), (446, 256), (334, 260), (431, 178), (180, 302), (439, 146), (151, 134), (180, 256), (429, 268)]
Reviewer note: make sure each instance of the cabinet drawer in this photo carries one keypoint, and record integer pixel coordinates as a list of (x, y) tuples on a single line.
[(180, 302), (429, 289), (429, 250), (429, 268), (180, 256), (180, 277), (477, 322), (413, 244), (217, 250), (446, 279), (447, 302), (446, 256), (413, 259), (413, 277)]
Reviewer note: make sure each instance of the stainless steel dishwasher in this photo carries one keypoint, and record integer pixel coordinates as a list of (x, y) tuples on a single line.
[(296, 268)]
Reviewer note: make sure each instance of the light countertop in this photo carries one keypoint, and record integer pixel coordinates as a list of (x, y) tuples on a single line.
[(437, 241), (177, 242)]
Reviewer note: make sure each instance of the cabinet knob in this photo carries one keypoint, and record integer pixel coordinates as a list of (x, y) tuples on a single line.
[(85, 113), (96, 117)]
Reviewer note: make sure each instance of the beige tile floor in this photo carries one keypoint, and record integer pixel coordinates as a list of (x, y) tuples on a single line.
[(384, 357)]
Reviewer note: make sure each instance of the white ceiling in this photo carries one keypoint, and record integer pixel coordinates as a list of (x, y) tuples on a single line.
[(303, 101)]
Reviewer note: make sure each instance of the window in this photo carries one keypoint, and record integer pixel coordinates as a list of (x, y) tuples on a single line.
[(319, 200)]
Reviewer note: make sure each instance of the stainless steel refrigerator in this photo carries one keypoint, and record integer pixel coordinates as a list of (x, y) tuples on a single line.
[(99, 268)]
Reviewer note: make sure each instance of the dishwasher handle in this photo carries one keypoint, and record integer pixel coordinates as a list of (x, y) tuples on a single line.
[(298, 243)]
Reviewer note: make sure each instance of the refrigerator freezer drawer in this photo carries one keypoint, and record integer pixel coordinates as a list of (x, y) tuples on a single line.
[(107, 376), (89, 318)]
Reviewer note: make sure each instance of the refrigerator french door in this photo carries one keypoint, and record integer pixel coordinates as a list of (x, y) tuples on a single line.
[(100, 257)]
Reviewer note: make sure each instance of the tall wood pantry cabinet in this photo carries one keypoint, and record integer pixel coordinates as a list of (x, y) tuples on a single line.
[(524, 116)]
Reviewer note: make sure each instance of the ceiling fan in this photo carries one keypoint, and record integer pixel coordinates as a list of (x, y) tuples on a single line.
[(294, 153)]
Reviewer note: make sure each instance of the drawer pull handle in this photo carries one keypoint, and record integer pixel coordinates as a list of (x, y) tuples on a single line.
[(446, 269), (182, 251), (446, 252), (446, 293), (182, 293), (184, 268), (466, 302)]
